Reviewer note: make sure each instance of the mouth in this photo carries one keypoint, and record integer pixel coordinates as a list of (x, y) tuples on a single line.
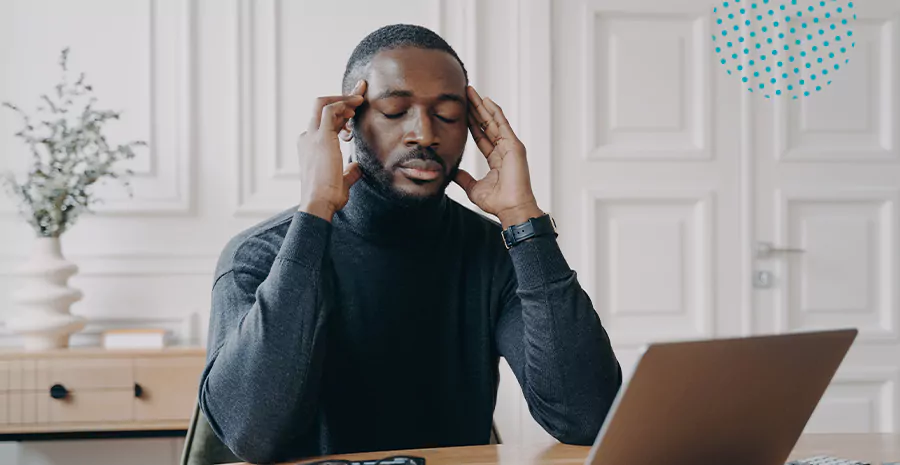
[(422, 170)]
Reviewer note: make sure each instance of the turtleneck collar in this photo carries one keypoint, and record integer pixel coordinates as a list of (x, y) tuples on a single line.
[(385, 221)]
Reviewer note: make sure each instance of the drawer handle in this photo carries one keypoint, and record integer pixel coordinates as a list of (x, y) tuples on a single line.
[(58, 391), (138, 390)]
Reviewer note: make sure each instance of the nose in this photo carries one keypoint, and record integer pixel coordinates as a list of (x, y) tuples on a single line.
[(421, 130)]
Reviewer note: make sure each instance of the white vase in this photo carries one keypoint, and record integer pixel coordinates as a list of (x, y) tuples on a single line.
[(40, 314)]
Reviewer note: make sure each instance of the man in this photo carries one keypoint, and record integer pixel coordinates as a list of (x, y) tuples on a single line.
[(373, 316)]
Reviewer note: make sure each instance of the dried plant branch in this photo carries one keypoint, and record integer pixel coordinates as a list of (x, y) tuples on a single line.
[(69, 153)]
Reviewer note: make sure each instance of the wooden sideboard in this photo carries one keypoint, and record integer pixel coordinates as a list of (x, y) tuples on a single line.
[(94, 391)]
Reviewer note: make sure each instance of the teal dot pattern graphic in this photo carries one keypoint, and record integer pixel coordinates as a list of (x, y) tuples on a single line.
[(784, 48)]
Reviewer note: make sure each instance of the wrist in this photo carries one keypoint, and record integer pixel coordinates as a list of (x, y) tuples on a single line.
[(317, 208), (519, 214)]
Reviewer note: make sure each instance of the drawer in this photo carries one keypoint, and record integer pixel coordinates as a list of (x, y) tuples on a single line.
[(14, 406), (4, 408), (169, 387), (4, 376), (94, 373), (25, 407), (112, 406), (22, 375), (98, 390)]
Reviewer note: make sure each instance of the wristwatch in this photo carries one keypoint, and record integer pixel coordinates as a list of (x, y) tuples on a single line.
[(534, 227)]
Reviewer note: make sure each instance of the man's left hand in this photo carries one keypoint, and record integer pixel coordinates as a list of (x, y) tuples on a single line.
[(505, 191)]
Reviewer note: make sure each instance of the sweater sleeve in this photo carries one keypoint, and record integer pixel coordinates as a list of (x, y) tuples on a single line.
[(555, 344), (266, 344)]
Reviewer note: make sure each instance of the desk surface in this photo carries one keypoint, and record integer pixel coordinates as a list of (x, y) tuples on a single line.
[(874, 448)]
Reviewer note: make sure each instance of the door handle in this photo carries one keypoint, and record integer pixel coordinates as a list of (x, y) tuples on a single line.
[(766, 249)]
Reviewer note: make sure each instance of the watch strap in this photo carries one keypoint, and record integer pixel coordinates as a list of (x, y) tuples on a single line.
[(543, 225)]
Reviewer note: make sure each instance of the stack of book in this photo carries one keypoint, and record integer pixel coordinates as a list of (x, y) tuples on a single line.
[(135, 339)]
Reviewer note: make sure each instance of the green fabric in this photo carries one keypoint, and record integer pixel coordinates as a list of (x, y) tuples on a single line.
[(201, 446)]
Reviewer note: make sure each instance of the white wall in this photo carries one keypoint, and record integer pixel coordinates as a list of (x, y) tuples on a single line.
[(219, 89)]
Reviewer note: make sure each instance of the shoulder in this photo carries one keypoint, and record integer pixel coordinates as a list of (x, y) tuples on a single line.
[(256, 246)]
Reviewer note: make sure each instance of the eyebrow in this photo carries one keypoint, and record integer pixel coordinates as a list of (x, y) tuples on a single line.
[(394, 93)]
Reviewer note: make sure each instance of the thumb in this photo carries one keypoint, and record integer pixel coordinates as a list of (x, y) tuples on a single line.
[(465, 180), (352, 174)]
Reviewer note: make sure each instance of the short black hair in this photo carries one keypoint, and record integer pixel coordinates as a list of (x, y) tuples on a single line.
[(389, 38)]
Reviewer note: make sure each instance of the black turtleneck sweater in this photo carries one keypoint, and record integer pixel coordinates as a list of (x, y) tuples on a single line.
[(383, 330)]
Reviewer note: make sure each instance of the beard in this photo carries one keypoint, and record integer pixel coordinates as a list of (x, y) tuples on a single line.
[(382, 179)]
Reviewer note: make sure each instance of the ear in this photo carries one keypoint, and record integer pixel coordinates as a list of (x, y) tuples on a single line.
[(346, 133)]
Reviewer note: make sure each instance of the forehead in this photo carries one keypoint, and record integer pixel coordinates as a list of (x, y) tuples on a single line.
[(423, 72)]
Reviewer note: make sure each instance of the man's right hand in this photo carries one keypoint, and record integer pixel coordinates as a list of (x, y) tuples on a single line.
[(325, 184)]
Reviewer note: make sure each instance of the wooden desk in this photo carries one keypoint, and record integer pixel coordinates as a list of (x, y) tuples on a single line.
[(874, 448)]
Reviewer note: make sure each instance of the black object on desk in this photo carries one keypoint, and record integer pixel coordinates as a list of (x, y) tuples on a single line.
[(393, 460)]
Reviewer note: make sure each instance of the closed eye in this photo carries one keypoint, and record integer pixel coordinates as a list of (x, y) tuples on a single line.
[(400, 115)]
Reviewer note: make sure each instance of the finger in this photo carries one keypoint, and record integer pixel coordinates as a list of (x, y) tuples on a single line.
[(352, 173), (481, 140), (465, 180), (357, 95), (334, 116), (483, 125), (353, 100), (481, 114), (360, 88), (323, 102), (503, 128)]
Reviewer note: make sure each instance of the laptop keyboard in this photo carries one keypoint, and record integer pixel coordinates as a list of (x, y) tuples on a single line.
[(826, 460)]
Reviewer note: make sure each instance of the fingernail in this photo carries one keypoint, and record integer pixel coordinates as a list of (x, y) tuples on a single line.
[(358, 84)]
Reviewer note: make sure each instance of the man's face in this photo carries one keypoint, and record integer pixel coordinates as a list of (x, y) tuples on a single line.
[(411, 131)]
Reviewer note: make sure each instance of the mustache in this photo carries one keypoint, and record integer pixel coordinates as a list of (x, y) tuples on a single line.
[(422, 153)]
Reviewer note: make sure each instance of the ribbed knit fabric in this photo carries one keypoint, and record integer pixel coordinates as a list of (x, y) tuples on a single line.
[(383, 330)]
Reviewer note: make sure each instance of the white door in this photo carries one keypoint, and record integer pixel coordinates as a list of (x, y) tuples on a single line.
[(667, 173), (646, 140), (826, 184)]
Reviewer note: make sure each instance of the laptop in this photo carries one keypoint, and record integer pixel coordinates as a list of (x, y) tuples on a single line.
[(742, 401)]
